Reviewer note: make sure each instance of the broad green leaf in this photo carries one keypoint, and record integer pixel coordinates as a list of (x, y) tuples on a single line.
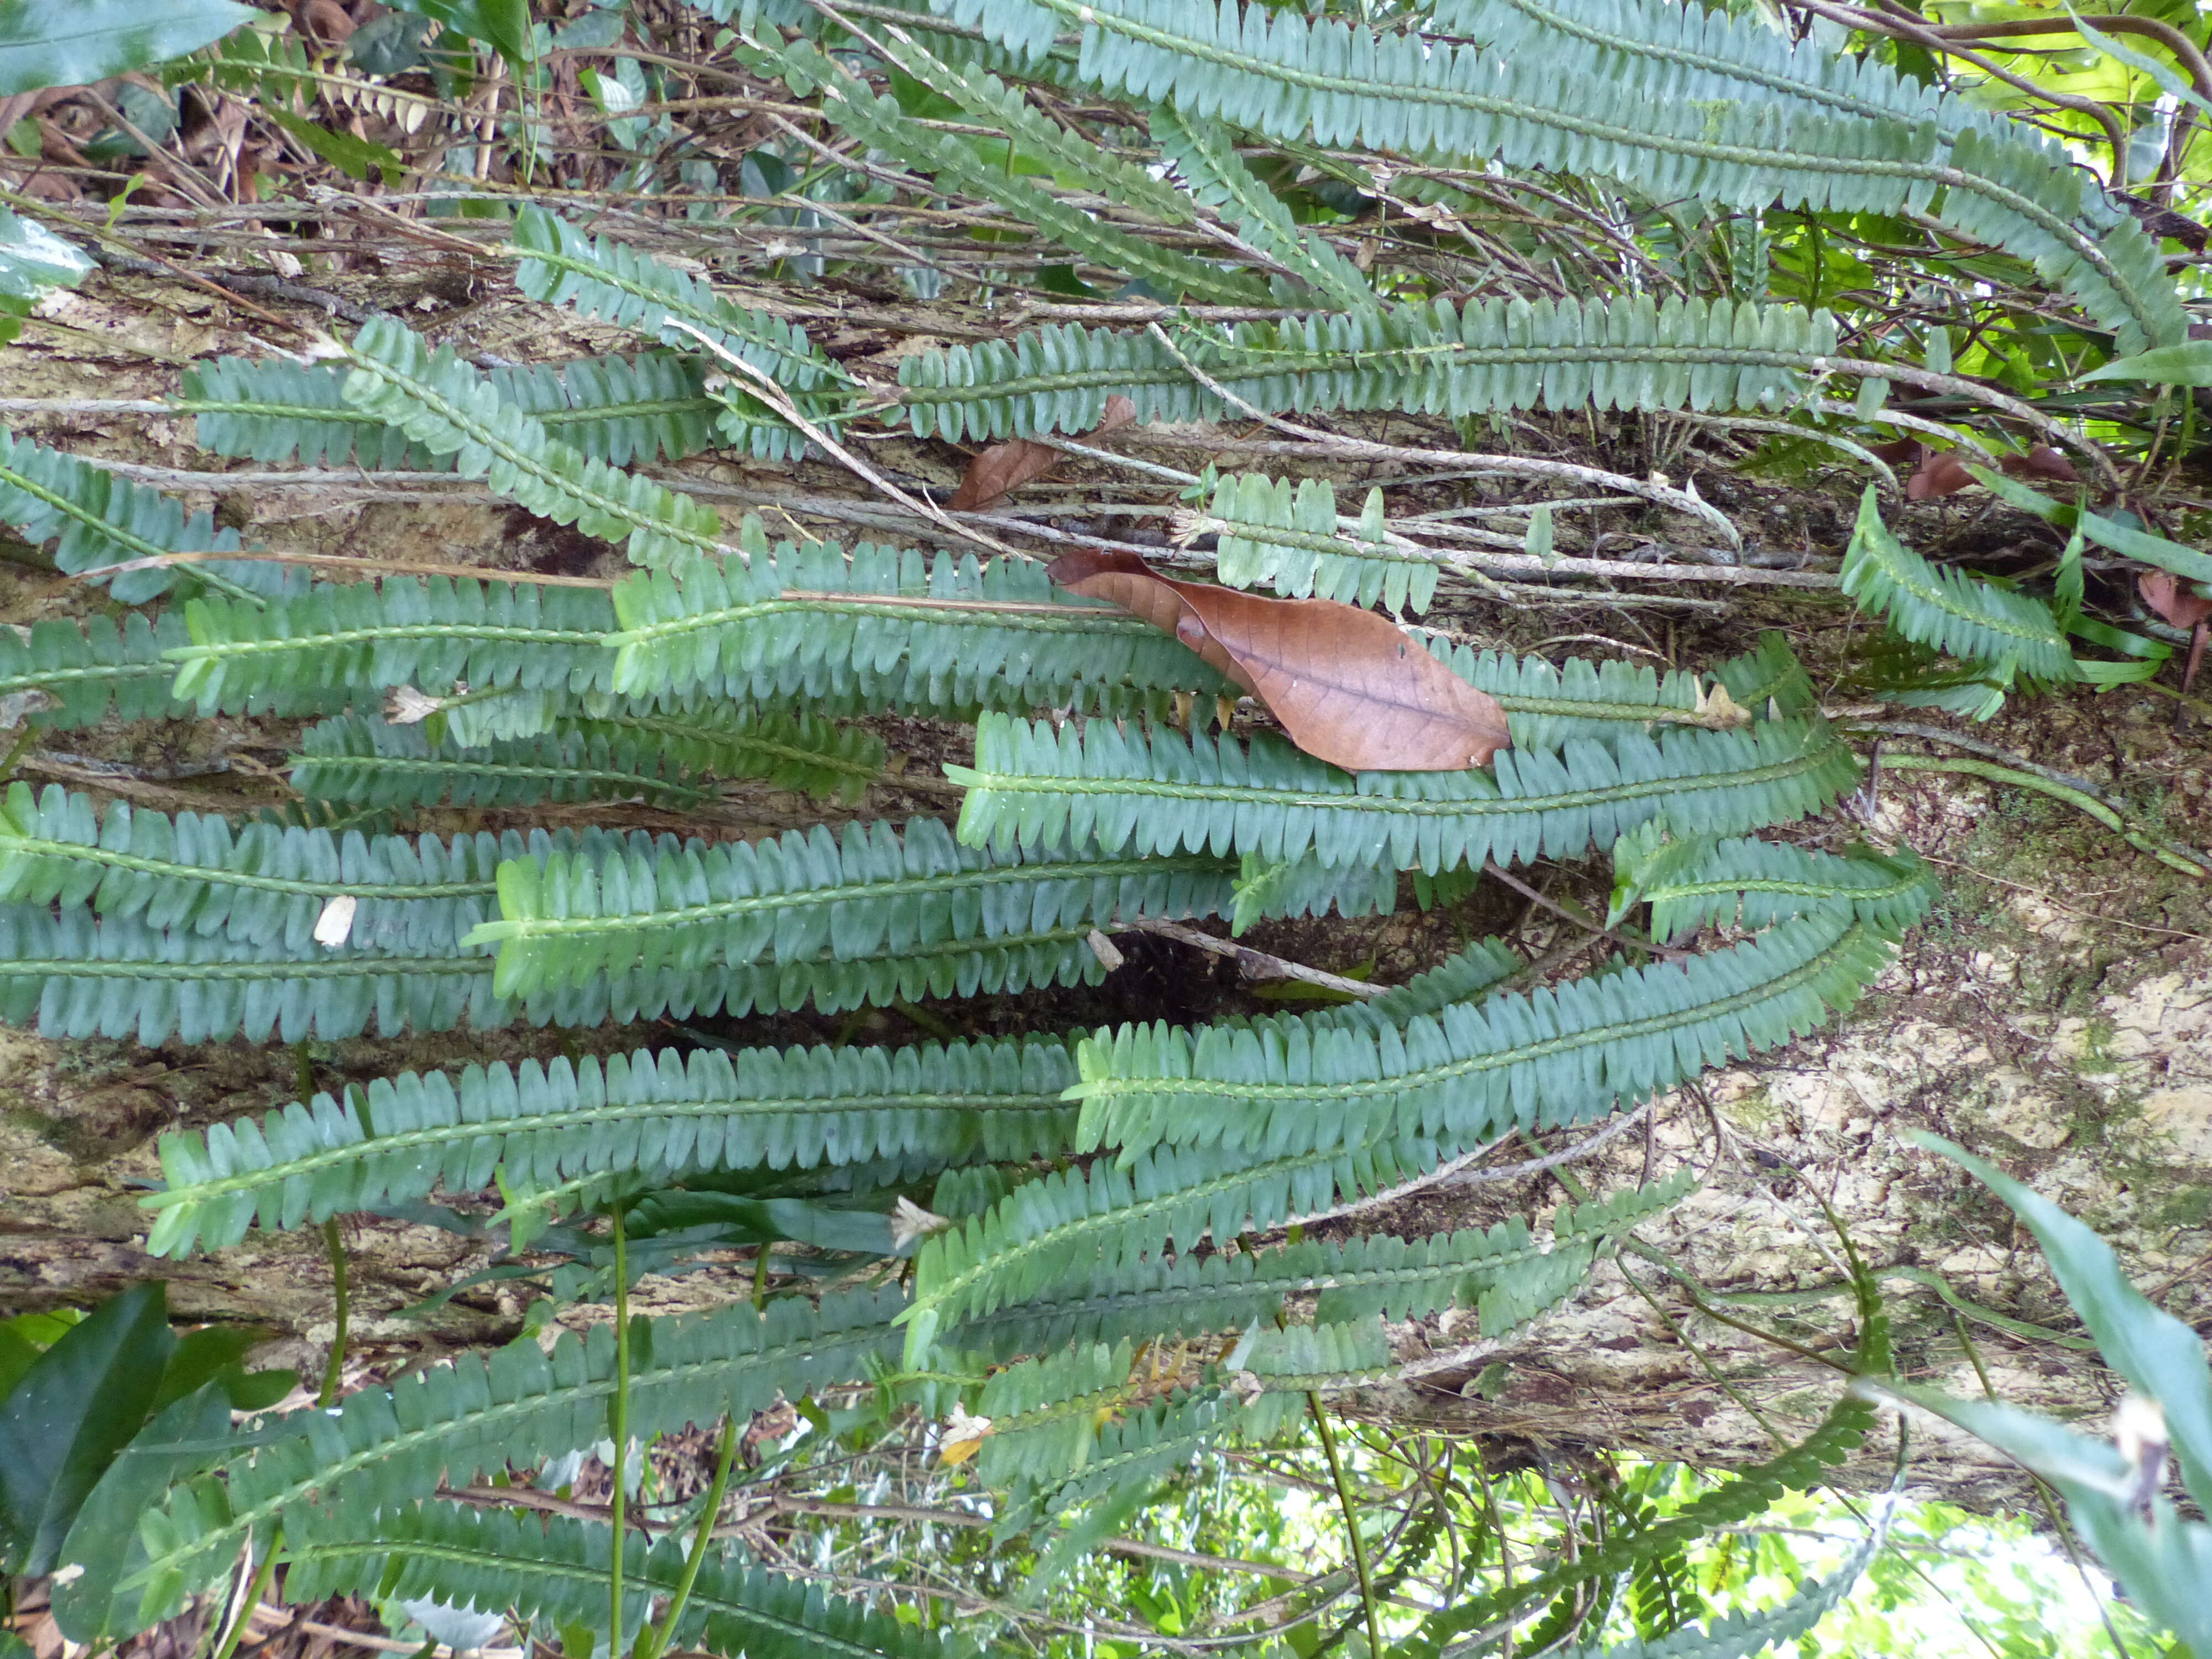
[(73, 43), (33, 262), (355, 157), (2168, 79), (189, 1434), (2123, 539), (2189, 363), (65, 1421), (2155, 1351)]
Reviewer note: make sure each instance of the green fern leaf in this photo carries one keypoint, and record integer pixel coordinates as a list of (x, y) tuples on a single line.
[(442, 403), (354, 761), (1770, 678), (1347, 84), (385, 1447), (1565, 1054), (1704, 882), (84, 672), (1288, 539), (1161, 794), (555, 1572), (652, 1114), (854, 108), (851, 894), (96, 519), (1205, 159), (1490, 356), (1948, 610)]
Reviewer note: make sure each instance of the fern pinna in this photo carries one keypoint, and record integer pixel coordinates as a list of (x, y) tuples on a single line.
[(1094, 1242)]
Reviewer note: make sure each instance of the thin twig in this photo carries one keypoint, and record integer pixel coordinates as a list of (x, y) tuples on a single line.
[(1254, 964)]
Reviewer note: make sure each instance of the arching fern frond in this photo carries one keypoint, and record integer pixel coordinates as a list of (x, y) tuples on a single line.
[(1354, 1279), (554, 1571), (1489, 355), (1568, 1053), (851, 894), (1769, 679), (1161, 793), (1702, 882), (651, 1115), (799, 751), (91, 669), (386, 1447), (561, 264), (849, 103), (96, 519), (616, 409), (1284, 76), (1949, 609), (357, 760), (1686, 53), (449, 408)]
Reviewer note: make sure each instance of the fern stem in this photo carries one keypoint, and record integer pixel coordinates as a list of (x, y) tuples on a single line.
[(1351, 1523), (657, 1643), (334, 1369), (252, 1597), (618, 1423), (2173, 854)]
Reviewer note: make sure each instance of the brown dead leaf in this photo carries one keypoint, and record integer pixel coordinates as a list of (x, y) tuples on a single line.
[(1002, 469), (1898, 451), (1349, 686), (2180, 603), (2040, 461), (1940, 473)]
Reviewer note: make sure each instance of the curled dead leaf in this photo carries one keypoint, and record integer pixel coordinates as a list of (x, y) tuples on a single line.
[(2181, 604), (998, 471), (1350, 687), (1940, 473), (2040, 461)]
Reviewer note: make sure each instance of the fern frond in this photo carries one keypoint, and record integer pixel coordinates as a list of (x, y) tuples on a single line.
[(91, 669), (561, 264), (1546, 706), (994, 104), (1769, 678), (1161, 793), (646, 407), (69, 975), (1205, 159), (259, 883), (1969, 618), (1684, 53), (1299, 1359), (1488, 355), (1289, 539), (428, 633), (852, 894), (555, 1572), (449, 408), (800, 751), (1351, 85), (362, 761), (94, 517), (1703, 882), (849, 103), (1569, 1053), (1071, 1224), (654, 1115), (386, 1447), (886, 627), (1046, 1413)]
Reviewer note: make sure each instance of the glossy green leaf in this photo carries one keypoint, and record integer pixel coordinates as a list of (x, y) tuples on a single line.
[(73, 43), (2189, 363), (63, 1422)]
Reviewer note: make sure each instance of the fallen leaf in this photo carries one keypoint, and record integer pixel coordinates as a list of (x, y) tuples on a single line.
[(1002, 469), (1940, 473), (1898, 451), (1350, 687), (2181, 604), (2040, 461)]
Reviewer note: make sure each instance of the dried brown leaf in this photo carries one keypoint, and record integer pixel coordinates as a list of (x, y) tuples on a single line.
[(1351, 687), (998, 471), (2180, 603), (2040, 461), (1938, 474)]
